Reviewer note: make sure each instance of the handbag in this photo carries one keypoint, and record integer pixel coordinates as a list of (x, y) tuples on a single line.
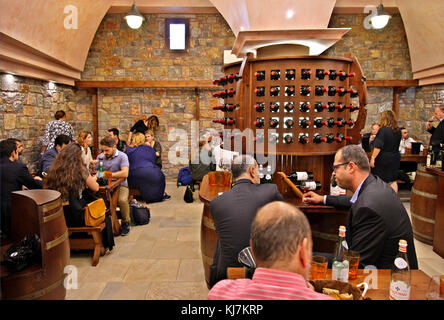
[(140, 215), (188, 196), (20, 255), (95, 213)]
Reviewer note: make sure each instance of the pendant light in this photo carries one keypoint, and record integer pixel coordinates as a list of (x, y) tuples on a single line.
[(133, 18), (381, 18)]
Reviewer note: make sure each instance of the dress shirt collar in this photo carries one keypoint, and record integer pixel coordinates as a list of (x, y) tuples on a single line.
[(285, 279), (356, 194)]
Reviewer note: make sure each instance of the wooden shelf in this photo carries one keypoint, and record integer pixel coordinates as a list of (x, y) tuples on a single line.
[(392, 83), (147, 84)]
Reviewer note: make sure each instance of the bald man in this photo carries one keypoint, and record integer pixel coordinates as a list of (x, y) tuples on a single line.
[(282, 248)]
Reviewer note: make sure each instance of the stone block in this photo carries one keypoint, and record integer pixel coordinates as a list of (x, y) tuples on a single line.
[(29, 111), (22, 122), (9, 121)]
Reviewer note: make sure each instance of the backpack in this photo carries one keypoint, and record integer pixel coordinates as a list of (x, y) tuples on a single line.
[(188, 196), (139, 214), (184, 177)]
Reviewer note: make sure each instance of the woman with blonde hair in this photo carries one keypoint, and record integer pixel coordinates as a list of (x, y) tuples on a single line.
[(385, 158), (144, 174), (153, 143), (85, 141)]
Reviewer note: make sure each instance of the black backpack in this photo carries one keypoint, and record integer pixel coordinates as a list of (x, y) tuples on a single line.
[(139, 214), (188, 196)]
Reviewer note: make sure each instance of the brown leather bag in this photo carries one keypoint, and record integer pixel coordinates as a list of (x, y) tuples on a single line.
[(95, 213)]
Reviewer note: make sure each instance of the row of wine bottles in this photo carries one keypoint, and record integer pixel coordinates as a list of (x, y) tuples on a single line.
[(304, 122), (227, 79), (290, 74), (303, 138), (305, 106), (290, 91)]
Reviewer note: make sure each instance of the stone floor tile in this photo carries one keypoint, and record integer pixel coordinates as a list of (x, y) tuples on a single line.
[(177, 291), (166, 249), (191, 270), (125, 291), (147, 270)]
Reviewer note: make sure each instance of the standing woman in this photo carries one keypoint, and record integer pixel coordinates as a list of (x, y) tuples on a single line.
[(85, 141), (385, 158), (143, 125)]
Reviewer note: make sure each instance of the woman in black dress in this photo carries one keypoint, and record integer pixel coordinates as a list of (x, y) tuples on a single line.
[(385, 158), (144, 124)]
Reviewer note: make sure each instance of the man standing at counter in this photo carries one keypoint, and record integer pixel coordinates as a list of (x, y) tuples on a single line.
[(437, 137), (377, 218)]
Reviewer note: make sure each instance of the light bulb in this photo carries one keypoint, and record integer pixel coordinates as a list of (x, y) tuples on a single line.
[(379, 22), (134, 22)]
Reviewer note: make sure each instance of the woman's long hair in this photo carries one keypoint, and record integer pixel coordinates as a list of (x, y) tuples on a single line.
[(388, 119), (138, 139), (67, 173), (82, 139), (153, 122)]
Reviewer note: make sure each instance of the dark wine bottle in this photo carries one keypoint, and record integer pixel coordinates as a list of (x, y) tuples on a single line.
[(339, 137), (340, 107), (319, 123), (331, 107), (305, 107), (289, 91), (353, 93), (260, 91), (340, 122), (223, 80), (330, 122), (330, 137), (274, 106), (275, 75), (300, 176), (289, 106), (332, 75), (231, 92), (233, 77), (321, 73), (303, 138), (350, 123), (319, 106), (260, 107), (225, 121), (331, 91), (318, 138), (259, 123), (259, 138), (304, 123), (320, 90), (341, 91), (273, 123), (290, 74), (305, 90), (288, 139), (260, 75), (273, 139), (343, 75), (289, 123), (305, 74), (274, 91)]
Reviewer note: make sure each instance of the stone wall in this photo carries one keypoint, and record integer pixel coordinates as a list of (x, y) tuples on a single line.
[(27, 105)]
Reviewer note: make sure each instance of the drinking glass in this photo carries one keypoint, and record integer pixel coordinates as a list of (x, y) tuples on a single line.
[(436, 288), (212, 178), (353, 263), (318, 267)]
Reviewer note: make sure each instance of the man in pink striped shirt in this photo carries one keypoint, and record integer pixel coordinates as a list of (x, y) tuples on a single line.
[(282, 247)]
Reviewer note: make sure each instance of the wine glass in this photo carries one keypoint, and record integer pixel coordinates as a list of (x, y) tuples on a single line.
[(435, 290)]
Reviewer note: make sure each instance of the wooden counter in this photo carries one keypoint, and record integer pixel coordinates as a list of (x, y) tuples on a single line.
[(438, 238), (418, 291)]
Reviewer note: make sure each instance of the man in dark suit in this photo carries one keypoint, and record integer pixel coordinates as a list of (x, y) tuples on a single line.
[(234, 211), (377, 219), (14, 176), (437, 137)]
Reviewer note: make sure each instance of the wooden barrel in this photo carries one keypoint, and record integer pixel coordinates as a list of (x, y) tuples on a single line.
[(38, 212), (423, 205)]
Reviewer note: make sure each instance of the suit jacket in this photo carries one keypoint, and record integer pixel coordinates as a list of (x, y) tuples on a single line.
[(13, 176), (233, 212), (376, 223), (437, 136), (45, 162)]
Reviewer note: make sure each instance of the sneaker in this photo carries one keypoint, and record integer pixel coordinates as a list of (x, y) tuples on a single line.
[(166, 197), (125, 229)]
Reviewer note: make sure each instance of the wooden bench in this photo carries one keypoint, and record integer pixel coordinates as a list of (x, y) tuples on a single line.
[(90, 243), (133, 192)]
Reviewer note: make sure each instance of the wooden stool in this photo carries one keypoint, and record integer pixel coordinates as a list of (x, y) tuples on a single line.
[(93, 242), (133, 192)]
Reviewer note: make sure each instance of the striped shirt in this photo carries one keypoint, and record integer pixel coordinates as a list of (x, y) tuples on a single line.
[(267, 284)]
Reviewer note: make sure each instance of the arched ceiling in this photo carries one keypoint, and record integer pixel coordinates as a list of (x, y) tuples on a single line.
[(35, 42)]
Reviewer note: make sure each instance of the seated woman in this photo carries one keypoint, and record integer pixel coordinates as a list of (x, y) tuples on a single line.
[(153, 143), (85, 140), (70, 176), (204, 162), (144, 175)]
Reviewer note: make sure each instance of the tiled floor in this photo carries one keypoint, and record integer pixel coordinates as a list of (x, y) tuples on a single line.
[(162, 260)]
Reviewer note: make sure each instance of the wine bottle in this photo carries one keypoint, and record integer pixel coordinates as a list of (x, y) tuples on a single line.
[(340, 122), (343, 75), (259, 123), (319, 123), (304, 123), (273, 123), (332, 75), (330, 122), (261, 173), (289, 91), (340, 106), (222, 108), (331, 91), (300, 176), (321, 73), (225, 121), (289, 123), (260, 91), (260, 107), (310, 186), (288, 139), (259, 138), (269, 175), (100, 173), (305, 74), (223, 80), (260, 75), (340, 265), (353, 93), (274, 106), (275, 75), (303, 138), (273, 139), (220, 94), (331, 107), (274, 91), (304, 107), (231, 92), (305, 90), (233, 77), (216, 82), (341, 91), (318, 138), (400, 275), (350, 123), (290, 74), (289, 106), (320, 90), (339, 137), (330, 137), (319, 106)]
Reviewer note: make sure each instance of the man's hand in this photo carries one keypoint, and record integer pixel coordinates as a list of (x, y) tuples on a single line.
[(311, 197), (429, 125), (372, 162)]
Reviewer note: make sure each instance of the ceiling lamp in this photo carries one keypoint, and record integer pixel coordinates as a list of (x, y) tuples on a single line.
[(133, 18), (381, 18)]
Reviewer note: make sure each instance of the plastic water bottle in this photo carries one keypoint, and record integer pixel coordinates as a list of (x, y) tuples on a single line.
[(261, 173), (401, 275), (100, 174)]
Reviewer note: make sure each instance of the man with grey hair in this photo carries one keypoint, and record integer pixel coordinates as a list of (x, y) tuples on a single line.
[(377, 219), (282, 248), (437, 138), (234, 211)]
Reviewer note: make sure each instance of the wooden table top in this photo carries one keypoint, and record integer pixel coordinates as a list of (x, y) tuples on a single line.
[(207, 192), (436, 171), (419, 283)]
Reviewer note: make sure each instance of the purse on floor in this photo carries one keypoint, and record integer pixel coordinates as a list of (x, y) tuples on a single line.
[(95, 213)]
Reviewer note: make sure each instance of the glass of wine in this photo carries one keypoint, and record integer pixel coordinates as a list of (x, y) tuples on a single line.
[(435, 290)]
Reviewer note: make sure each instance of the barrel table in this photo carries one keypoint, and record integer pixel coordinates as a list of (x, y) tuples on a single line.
[(438, 235), (38, 212), (423, 205)]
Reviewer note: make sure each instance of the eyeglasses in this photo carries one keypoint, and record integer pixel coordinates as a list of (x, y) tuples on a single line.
[(338, 165)]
